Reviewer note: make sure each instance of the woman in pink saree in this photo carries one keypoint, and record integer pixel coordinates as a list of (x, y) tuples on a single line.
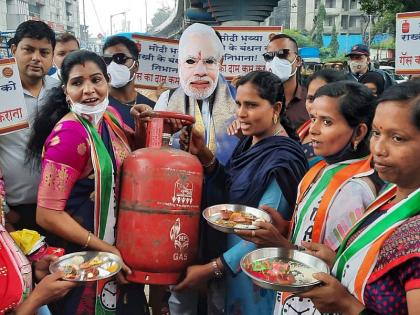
[(81, 147)]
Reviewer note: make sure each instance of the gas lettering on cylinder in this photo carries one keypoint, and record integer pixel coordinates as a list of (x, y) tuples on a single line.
[(181, 241), (179, 256)]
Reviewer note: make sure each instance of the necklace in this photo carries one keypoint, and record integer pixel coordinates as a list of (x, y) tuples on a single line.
[(130, 103), (274, 134)]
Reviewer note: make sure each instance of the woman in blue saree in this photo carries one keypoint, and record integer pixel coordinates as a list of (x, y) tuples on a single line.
[(265, 169)]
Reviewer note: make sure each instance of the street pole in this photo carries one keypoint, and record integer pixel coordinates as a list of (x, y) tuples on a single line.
[(112, 15), (370, 22), (145, 5), (84, 23)]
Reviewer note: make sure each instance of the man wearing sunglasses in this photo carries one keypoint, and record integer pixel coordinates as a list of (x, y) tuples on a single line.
[(283, 60), (121, 56)]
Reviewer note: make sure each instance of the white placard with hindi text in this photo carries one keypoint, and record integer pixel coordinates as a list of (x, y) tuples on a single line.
[(13, 112), (407, 43), (244, 47), (158, 62)]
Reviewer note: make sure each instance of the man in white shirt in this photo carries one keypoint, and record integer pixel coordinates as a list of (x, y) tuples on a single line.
[(32, 47)]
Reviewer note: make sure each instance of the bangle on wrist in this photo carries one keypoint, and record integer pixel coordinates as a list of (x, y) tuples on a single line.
[(218, 274), (88, 239)]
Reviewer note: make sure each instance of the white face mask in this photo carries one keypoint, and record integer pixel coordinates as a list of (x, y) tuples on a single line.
[(58, 71), (357, 66), (120, 74), (281, 68), (92, 113)]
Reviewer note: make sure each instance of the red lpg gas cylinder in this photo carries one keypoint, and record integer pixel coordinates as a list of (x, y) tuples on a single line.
[(405, 27), (159, 213)]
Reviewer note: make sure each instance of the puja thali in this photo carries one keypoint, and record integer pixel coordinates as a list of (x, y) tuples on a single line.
[(230, 217), (282, 269), (87, 266)]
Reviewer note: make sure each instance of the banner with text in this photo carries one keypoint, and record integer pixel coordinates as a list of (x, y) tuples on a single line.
[(13, 113), (243, 49), (158, 62), (244, 46), (407, 43)]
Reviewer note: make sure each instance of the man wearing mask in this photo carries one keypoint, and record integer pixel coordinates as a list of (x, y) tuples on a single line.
[(121, 56), (32, 47), (65, 44), (359, 64), (283, 60), (205, 95)]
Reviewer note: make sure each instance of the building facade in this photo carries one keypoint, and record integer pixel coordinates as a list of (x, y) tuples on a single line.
[(60, 15), (300, 15)]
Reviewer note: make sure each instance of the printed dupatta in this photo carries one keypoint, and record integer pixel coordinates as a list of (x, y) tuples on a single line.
[(324, 189), (354, 263), (303, 130), (329, 184), (104, 212)]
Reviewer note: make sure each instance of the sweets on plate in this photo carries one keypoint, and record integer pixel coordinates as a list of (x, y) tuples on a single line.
[(235, 219), (84, 268)]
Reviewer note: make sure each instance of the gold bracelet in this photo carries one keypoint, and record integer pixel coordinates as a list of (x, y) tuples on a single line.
[(88, 239), (216, 270)]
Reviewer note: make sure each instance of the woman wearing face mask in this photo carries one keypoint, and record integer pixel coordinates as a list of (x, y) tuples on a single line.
[(265, 168), (315, 81), (81, 147), (341, 115), (381, 253)]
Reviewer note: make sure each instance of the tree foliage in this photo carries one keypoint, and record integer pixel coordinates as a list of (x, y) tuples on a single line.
[(384, 11), (301, 39), (319, 30), (334, 42), (382, 7)]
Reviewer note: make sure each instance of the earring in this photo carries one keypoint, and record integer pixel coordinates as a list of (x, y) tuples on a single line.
[(355, 146), (275, 118)]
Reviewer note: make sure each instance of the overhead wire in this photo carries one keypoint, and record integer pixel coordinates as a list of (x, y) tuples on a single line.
[(97, 17)]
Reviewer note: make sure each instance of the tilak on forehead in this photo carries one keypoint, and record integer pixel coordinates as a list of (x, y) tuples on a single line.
[(199, 41)]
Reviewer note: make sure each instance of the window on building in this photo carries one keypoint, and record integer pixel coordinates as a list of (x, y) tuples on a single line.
[(329, 20), (354, 21), (317, 3), (34, 10), (330, 3), (345, 5), (344, 21), (353, 4)]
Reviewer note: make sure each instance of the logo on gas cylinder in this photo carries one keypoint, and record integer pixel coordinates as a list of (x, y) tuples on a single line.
[(181, 241), (183, 192)]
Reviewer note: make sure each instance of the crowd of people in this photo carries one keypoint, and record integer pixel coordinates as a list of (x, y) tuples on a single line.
[(336, 164)]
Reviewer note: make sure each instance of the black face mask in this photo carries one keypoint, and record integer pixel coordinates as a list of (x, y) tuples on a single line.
[(348, 152)]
